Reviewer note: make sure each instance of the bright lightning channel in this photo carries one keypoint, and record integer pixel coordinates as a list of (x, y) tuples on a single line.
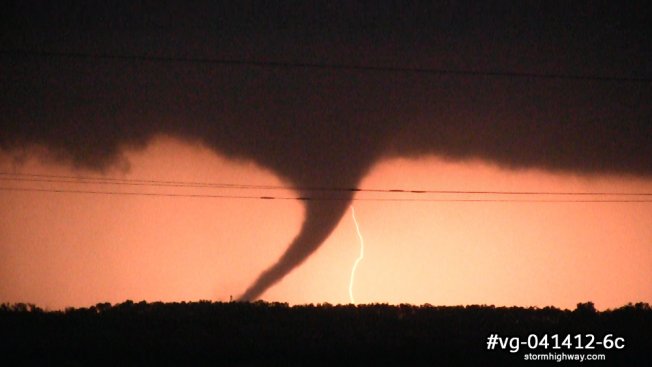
[(360, 257)]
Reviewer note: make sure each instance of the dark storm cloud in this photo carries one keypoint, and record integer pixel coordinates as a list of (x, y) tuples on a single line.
[(326, 127)]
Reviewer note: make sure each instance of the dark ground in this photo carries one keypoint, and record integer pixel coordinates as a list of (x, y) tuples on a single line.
[(275, 334)]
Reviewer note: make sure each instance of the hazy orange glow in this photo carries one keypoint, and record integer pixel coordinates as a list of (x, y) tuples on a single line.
[(59, 250)]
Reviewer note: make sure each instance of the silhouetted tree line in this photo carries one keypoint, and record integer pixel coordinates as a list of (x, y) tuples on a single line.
[(262, 333)]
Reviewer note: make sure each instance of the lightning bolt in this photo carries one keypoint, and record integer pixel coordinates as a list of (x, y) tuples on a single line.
[(360, 257)]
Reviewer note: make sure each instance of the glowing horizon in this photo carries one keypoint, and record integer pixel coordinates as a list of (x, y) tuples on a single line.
[(65, 250)]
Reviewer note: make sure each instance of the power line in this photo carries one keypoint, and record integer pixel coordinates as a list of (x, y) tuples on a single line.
[(127, 193), (34, 177), (322, 66), (116, 181), (311, 198)]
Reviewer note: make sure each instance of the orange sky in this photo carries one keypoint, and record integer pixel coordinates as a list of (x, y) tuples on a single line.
[(59, 250)]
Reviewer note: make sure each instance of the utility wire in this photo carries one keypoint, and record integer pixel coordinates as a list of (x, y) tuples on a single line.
[(116, 181), (319, 66), (313, 198), (33, 177)]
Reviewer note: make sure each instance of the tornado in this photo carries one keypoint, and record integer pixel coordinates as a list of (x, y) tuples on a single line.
[(321, 218)]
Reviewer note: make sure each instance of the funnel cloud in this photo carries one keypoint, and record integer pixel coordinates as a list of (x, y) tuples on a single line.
[(564, 89)]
